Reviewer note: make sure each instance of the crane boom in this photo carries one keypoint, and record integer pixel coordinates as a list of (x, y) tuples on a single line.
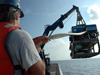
[(59, 23)]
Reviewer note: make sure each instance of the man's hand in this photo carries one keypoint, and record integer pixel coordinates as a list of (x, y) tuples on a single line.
[(40, 41)]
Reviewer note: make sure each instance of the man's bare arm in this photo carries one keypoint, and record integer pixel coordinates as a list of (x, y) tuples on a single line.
[(38, 68)]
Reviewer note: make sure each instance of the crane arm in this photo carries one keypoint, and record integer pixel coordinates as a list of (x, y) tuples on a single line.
[(59, 23)]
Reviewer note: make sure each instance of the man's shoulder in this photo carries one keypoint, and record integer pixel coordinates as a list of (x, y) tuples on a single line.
[(19, 33)]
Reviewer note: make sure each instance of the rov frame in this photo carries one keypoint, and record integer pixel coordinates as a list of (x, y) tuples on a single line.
[(83, 46)]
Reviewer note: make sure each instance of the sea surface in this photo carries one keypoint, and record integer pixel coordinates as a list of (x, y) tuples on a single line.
[(80, 66)]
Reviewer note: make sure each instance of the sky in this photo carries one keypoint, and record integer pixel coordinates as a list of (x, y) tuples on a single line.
[(39, 13)]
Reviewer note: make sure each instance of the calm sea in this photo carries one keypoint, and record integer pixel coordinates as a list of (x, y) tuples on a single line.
[(80, 66)]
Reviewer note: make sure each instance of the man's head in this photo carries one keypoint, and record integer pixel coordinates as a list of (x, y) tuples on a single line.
[(10, 10)]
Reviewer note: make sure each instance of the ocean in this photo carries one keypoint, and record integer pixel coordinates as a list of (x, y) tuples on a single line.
[(80, 66)]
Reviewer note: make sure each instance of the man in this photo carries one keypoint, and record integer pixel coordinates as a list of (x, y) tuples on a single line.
[(18, 53)]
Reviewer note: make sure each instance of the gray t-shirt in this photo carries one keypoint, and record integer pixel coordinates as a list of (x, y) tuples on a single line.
[(22, 49)]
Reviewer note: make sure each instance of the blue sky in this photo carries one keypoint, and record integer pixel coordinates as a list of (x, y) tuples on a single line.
[(39, 13)]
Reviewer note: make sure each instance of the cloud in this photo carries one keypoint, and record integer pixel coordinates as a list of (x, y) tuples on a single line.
[(27, 11), (58, 49), (46, 9), (94, 12)]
